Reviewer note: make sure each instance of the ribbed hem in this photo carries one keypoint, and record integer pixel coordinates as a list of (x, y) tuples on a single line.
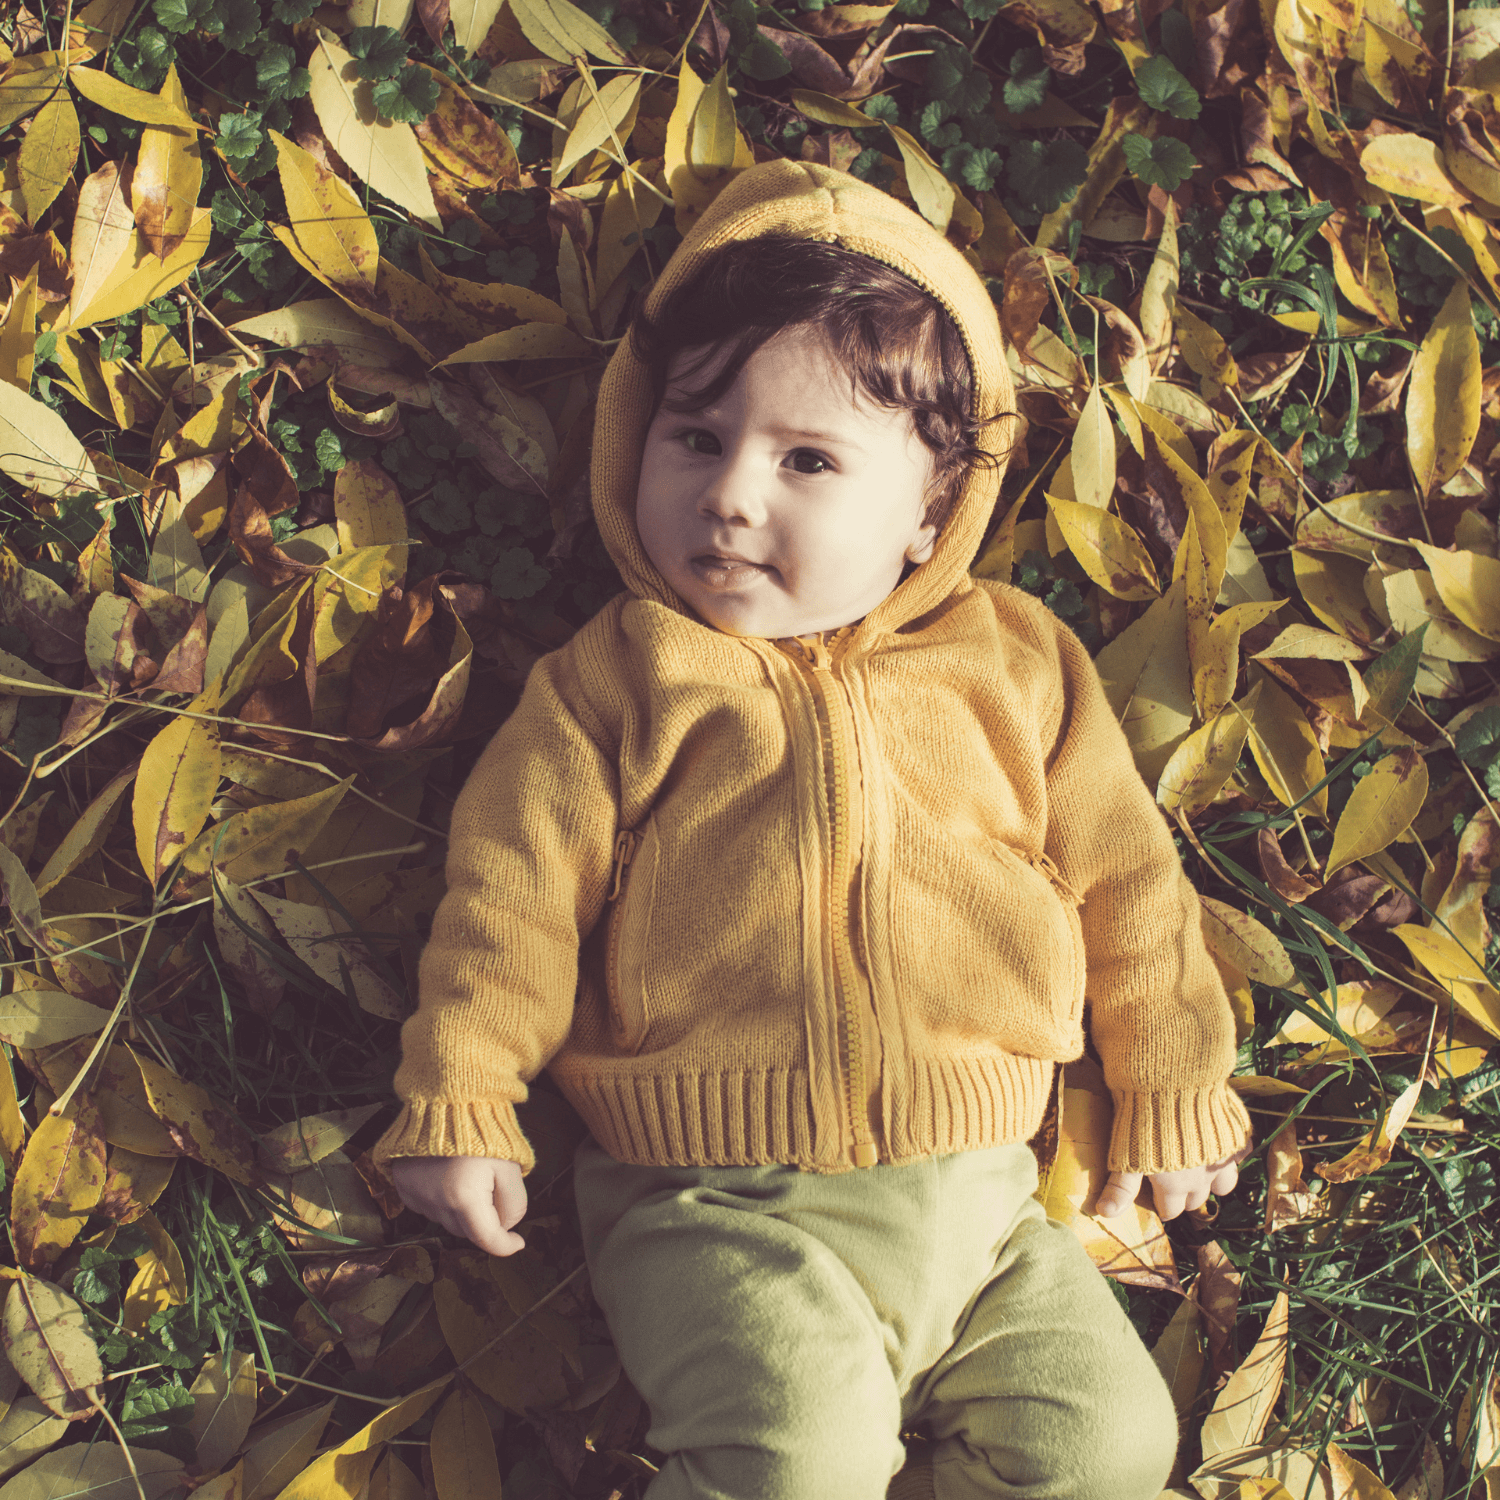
[(752, 1118), (913, 1481), (434, 1127), (1167, 1132)]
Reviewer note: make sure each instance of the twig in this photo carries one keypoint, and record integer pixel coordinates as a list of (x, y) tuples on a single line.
[(255, 359)]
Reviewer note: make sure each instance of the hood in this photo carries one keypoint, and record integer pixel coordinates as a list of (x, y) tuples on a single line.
[(816, 203)]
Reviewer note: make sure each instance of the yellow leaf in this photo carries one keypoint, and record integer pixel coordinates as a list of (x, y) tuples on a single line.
[(704, 148), (1457, 971), (174, 790), (37, 1017), (1243, 1407), (29, 83), (264, 840), (57, 1184), (1286, 749), (1093, 453), (827, 110), (46, 1335), (322, 322), (1384, 803), (201, 1127), (472, 20), (601, 121), (140, 276), (105, 90), (1469, 584), (330, 223), (464, 1466), (12, 1126), (160, 1280), (1413, 600), (383, 153), (39, 451), (276, 1458), (367, 507), (1203, 762), (1217, 662), (1461, 907), (99, 1471), (224, 1396), (1107, 549), (933, 194), (103, 228), (528, 341), (341, 1473), (168, 175), (1159, 295), (1206, 353), (1374, 1150), (45, 161), (1443, 394), (559, 29), (629, 210), (134, 1183), (322, 939), (1148, 682), (1411, 166), (1248, 945), (1358, 1008), (1178, 1354), (18, 337)]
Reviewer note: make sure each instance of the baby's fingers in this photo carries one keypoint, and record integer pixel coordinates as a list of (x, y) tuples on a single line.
[(484, 1230), (1119, 1193)]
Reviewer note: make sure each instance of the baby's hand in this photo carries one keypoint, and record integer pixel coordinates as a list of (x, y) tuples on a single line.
[(1173, 1191), (479, 1197)]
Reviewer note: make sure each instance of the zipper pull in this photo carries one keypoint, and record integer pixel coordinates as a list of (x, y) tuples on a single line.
[(1042, 863), (624, 852)]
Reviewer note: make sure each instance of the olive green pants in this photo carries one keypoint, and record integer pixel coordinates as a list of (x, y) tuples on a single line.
[(785, 1328)]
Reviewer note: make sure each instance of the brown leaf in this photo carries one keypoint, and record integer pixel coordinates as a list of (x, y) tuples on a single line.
[(182, 671), (1279, 875), (1028, 294), (401, 657), (55, 623), (1217, 1292), (58, 1184), (1288, 1200), (266, 489), (287, 704), (1348, 896), (433, 14)]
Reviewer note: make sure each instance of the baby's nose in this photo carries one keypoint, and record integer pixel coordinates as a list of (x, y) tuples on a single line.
[(736, 495)]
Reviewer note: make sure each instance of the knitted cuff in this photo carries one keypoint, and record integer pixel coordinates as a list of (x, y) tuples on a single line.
[(1169, 1131), (437, 1128)]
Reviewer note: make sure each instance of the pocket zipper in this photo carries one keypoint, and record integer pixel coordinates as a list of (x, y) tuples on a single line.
[(1043, 865)]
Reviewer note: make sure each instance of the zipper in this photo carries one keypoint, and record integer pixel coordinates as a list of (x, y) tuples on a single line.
[(1043, 865), (835, 734), (626, 845)]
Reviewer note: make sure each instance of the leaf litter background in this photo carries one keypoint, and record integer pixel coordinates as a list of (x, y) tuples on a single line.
[(306, 312)]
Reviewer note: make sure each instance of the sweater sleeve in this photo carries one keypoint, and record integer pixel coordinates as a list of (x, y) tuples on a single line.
[(1158, 1013), (530, 850)]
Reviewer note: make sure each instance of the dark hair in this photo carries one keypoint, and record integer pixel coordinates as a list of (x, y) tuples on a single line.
[(898, 342)]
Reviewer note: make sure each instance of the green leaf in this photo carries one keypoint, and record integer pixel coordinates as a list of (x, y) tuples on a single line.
[(446, 509), (329, 451), (763, 60), (380, 50), (239, 136), (1046, 174), (514, 267), (1165, 162), (292, 11), (183, 15), (142, 60), (238, 22), (1026, 88), (409, 97), (976, 166), (1162, 87), (955, 78), (174, 1402), (276, 71), (516, 574), (1478, 737)]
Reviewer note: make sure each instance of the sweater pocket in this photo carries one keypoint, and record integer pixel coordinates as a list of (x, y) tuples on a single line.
[(1041, 864), (633, 896)]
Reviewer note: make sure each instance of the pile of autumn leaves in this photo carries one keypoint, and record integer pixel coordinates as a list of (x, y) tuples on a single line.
[(256, 700)]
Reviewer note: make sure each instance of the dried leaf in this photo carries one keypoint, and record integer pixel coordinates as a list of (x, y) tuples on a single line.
[(1381, 808), (1243, 1407), (38, 449), (58, 1183), (199, 1126), (1250, 946), (45, 161), (464, 1465), (168, 175), (223, 1407), (46, 1334), (1442, 396), (330, 223), (1108, 550), (174, 789), (1204, 761), (1374, 1150)]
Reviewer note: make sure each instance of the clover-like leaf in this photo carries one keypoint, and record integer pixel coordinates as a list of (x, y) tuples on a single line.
[(975, 166), (292, 11), (183, 15), (142, 60), (1162, 87), (240, 136), (763, 60), (1026, 88), (276, 71), (380, 50), (1165, 162), (237, 22), (516, 574), (1046, 174), (514, 267), (955, 78), (409, 97)]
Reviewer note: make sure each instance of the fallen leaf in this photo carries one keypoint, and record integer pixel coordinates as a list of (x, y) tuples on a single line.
[(1243, 1408), (46, 1334)]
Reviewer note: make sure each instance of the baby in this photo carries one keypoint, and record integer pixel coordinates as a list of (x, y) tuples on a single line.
[(793, 867)]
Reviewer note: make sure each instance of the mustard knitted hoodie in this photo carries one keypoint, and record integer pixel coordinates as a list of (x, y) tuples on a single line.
[(819, 903)]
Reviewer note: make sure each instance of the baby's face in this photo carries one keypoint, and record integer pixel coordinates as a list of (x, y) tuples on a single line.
[(788, 506)]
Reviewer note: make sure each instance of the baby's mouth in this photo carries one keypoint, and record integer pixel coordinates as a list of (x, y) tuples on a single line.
[(718, 571)]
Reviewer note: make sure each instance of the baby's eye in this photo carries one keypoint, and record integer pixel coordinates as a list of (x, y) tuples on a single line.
[(698, 441), (805, 461)]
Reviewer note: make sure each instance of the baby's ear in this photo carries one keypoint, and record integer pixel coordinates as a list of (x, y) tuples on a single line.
[(922, 544)]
